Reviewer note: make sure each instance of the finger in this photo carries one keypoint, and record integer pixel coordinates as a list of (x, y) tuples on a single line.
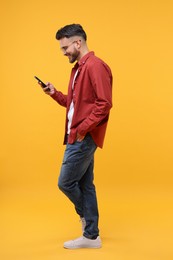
[(47, 89), (48, 84)]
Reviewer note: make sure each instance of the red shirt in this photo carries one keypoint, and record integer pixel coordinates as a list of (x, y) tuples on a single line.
[(92, 97)]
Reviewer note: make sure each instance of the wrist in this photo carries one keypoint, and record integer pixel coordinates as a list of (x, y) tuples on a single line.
[(52, 92)]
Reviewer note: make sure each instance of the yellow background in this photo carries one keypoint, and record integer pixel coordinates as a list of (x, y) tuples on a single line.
[(133, 173)]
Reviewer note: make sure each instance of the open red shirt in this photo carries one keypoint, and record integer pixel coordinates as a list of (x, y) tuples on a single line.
[(92, 97)]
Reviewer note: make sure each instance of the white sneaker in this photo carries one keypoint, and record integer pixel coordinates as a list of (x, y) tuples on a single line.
[(83, 242), (83, 222)]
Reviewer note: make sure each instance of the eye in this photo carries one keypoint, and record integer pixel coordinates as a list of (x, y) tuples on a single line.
[(64, 48)]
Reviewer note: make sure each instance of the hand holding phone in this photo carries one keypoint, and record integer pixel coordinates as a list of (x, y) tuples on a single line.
[(48, 89), (40, 82)]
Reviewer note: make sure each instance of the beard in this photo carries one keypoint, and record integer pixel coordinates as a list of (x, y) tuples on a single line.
[(73, 57)]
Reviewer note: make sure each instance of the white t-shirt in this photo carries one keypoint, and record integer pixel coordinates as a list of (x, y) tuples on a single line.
[(71, 109)]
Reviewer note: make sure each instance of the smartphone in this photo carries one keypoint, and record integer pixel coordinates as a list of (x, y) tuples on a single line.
[(41, 82)]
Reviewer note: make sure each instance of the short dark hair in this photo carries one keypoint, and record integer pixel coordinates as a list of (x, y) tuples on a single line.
[(70, 31)]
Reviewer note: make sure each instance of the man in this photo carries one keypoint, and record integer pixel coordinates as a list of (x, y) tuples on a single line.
[(87, 103)]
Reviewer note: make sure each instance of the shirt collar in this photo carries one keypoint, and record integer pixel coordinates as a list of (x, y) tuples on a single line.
[(84, 59)]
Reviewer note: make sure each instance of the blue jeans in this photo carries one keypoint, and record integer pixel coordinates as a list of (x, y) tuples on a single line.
[(76, 182)]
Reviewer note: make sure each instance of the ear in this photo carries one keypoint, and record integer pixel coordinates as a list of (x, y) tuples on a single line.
[(79, 43)]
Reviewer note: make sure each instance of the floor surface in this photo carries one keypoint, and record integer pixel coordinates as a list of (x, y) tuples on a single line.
[(135, 223)]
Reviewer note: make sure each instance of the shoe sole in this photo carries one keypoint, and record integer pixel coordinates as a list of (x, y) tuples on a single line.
[(83, 247)]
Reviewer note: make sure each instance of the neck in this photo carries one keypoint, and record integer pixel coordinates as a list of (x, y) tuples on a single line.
[(83, 52)]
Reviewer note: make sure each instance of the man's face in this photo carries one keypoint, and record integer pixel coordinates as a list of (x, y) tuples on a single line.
[(69, 47)]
